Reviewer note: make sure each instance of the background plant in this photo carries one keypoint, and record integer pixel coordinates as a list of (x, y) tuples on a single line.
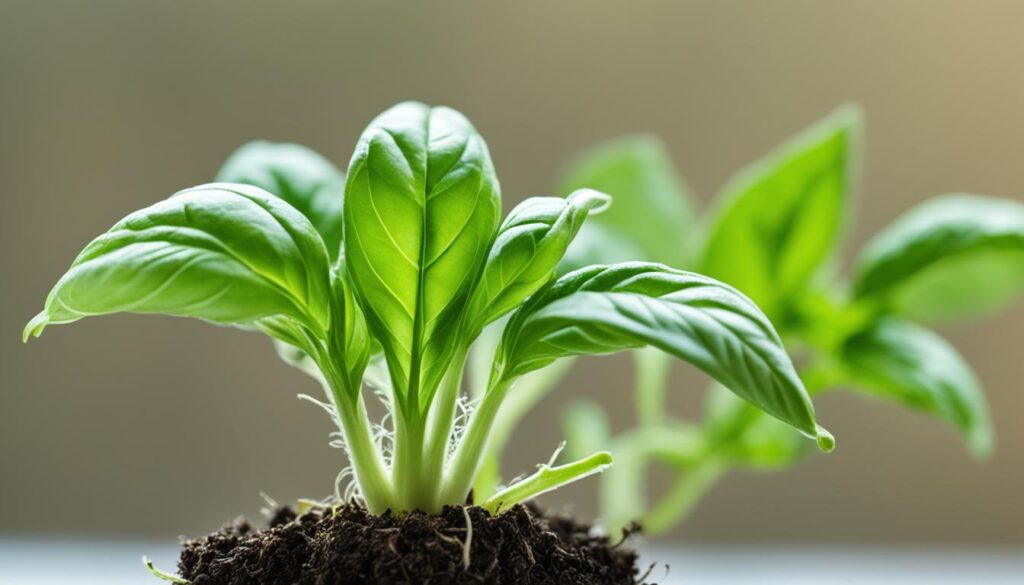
[(774, 232), (385, 276)]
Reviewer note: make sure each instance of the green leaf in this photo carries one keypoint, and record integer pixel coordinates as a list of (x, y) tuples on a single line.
[(747, 436), (530, 243), (605, 309), (950, 257), (231, 254), (653, 208), (421, 208), (299, 175), (779, 220), (917, 368)]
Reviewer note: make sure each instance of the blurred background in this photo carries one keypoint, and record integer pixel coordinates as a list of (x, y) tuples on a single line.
[(156, 427)]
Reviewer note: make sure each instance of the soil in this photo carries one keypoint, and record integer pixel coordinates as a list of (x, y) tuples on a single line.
[(522, 546)]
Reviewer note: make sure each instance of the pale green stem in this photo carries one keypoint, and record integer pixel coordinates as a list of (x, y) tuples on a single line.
[(530, 389), (442, 419), (547, 478), (652, 370), (682, 496), (407, 465), (364, 454), (467, 458)]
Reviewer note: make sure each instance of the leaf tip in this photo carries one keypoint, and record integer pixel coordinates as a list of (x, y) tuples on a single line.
[(826, 442), (35, 327), (592, 200)]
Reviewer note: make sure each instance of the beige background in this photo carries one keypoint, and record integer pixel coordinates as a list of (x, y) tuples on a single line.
[(157, 426)]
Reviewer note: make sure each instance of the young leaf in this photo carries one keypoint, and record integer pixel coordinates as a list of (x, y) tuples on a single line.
[(778, 220), (919, 369), (950, 257), (530, 243), (653, 207), (225, 253), (297, 174), (422, 204), (605, 309)]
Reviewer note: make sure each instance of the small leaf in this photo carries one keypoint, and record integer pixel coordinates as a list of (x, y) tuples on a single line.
[(605, 309), (421, 208), (530, 243), (951, 257), (297, 174), (653, 208), (230, 254), (779, 220), (917, 368)]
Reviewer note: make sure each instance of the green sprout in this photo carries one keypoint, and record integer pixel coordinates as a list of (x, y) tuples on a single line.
[(774, 233), (388, 287)]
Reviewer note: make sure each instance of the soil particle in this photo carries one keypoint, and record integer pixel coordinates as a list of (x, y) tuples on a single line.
[(522, 546)]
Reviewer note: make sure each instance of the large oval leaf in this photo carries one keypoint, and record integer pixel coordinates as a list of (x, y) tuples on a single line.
[(951, 257), (605, 309), (917, 368), (225, 253), (778, 220), (653, 207), (421, 208), (297, 174), (530, 243)]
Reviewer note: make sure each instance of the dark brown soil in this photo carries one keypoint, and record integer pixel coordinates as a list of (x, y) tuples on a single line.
[(349, 546)]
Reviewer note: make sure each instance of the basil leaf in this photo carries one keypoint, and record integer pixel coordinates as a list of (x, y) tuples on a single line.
[(421, 208), (951, 257), (300, 176), (530, 243), (917, 368), (230, 254), (778, 220), (605, 309), (653, 208)]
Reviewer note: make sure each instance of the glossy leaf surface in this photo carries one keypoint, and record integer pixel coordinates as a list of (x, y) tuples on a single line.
[(297, 174), (421, 208), (225, 253), (605, 309)]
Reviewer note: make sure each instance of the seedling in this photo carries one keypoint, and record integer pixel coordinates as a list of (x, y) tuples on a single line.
[(773, 232), (390, 288)]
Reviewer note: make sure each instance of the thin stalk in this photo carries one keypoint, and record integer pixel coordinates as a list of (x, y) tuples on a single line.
[(652, 370), (466, 460), (364, 454), (548, 478), (530, 389), (442, 419), (682, 495)]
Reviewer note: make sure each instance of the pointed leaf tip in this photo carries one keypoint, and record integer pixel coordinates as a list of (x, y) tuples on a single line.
[(826, 442), (35, 327), (595, 201)]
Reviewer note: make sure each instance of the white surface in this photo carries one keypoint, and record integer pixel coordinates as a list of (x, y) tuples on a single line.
[(26, 562)]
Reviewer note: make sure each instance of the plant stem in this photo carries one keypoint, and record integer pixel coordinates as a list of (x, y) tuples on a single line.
[(468, 455), (442, 419), (652, 370), (367, 463), (407, 464), (546, 479), (682, 495), (530, 389)]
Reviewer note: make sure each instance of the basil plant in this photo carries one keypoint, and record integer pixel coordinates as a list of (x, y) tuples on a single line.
[(774, 232), (381, 279)]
